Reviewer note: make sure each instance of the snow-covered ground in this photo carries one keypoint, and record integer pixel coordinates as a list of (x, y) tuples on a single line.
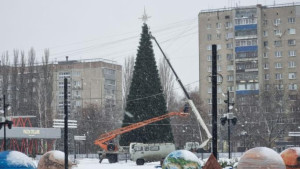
[(94, 163)]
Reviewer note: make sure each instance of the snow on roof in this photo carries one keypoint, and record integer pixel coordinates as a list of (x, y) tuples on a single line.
[(18, 158)]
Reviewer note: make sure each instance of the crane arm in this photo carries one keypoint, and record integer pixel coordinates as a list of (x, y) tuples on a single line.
[(104, 138), (191, 103)]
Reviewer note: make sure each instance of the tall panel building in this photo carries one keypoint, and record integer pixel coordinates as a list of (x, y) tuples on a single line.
[(257, 50), (97, 82)]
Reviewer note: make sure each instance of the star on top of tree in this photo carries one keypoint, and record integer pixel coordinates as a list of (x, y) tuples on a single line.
[(145, 17)]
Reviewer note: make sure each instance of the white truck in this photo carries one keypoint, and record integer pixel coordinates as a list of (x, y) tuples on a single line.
[(142, 153)]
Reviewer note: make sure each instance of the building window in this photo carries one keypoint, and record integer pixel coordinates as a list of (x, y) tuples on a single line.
[(218, 35), (267, 87), (229, 45), (265, 33), (266, 66), (110, 82), (209, 69), (219, 68), (277, 21), (278, 65), (277, 43), (292, 64), (229, 77), (228, 25), (219, 47), (208, 47), (293, 86), (230, 68), (278, 76), (209, 58), (209, 101), (291, 42), (277, 32), (219, 90), (229, 57), (292, 31), (248, 42), (279, 87), (291, 20), (208, 26), (265, 55), (208, 37), (209, 90), (278, 54), (265, 22), (265, 43), (292, 75), (229, 35), (218, 25), (292, 53), (267, 76), (109, 71), (218, 57), (230, 88), (219, 79), (219, 101)]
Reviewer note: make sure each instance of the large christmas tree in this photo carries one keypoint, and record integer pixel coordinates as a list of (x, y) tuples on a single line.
[(145, 99)]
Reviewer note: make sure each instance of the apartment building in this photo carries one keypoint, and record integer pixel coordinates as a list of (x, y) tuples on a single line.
[(96, 82), (257, 50)]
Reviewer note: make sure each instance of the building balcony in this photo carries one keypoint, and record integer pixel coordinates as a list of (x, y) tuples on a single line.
[(76, 87), (246, 37), (246, 49), (247, 92), (245, 27)]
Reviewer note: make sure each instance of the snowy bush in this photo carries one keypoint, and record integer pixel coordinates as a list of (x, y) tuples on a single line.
[(225, 162)]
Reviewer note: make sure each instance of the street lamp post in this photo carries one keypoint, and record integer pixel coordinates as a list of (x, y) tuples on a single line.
[(229, 117)]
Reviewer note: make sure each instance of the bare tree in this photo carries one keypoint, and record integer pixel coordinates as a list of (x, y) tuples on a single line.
[(5, 70), (93, 122), (22, 86), (264, 118), (14, 82), (167, 81), (32, 81), (45, 90), (187, 129), (127, 76)]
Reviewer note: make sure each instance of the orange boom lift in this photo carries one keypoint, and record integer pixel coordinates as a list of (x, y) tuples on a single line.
[(110, 150)]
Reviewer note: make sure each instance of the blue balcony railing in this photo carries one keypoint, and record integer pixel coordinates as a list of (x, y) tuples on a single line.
[(245, 27), (245, 49)]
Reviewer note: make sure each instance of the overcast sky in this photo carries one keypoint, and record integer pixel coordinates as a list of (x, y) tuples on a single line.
[(86, 29)]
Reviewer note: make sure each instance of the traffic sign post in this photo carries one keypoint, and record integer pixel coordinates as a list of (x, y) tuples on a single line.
[(78, 138), (59, 123)]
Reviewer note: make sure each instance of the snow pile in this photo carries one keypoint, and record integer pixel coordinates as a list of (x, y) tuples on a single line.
[(224, 162), (19, 159), (59, 155)]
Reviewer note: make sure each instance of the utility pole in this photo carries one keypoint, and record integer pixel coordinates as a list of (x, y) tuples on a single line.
[(66, 121), (4, 112), (214, 102), (228, 121), (229, 117), (5, 122)]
